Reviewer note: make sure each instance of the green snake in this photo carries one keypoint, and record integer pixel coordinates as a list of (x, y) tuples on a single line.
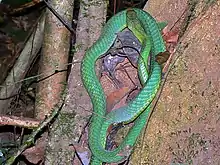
[(147, 31)]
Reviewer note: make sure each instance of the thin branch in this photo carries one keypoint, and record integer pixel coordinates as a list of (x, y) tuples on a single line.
[(21, 66), (31, 140), (18, 121), (66, 24)]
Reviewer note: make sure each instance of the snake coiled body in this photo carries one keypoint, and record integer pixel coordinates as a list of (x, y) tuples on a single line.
[(145, 28)]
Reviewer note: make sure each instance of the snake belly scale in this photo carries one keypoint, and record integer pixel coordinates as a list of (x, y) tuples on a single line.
[(146, 29)]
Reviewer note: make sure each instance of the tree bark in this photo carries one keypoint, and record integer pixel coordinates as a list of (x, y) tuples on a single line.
[(184, 125)]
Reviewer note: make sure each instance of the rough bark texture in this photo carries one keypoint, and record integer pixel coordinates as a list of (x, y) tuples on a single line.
[(184, 125), (55, 51), (70, 124), (91, 18)]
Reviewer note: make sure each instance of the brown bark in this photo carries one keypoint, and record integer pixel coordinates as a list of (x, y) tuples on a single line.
[(19, 121), (55, 51), (71, 121), (184, 125)]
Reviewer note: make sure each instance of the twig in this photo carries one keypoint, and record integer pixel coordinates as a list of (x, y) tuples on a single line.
[(53, 72), (39, 75), (31, 140), (22, 64), (19, 121), (68, 26)]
